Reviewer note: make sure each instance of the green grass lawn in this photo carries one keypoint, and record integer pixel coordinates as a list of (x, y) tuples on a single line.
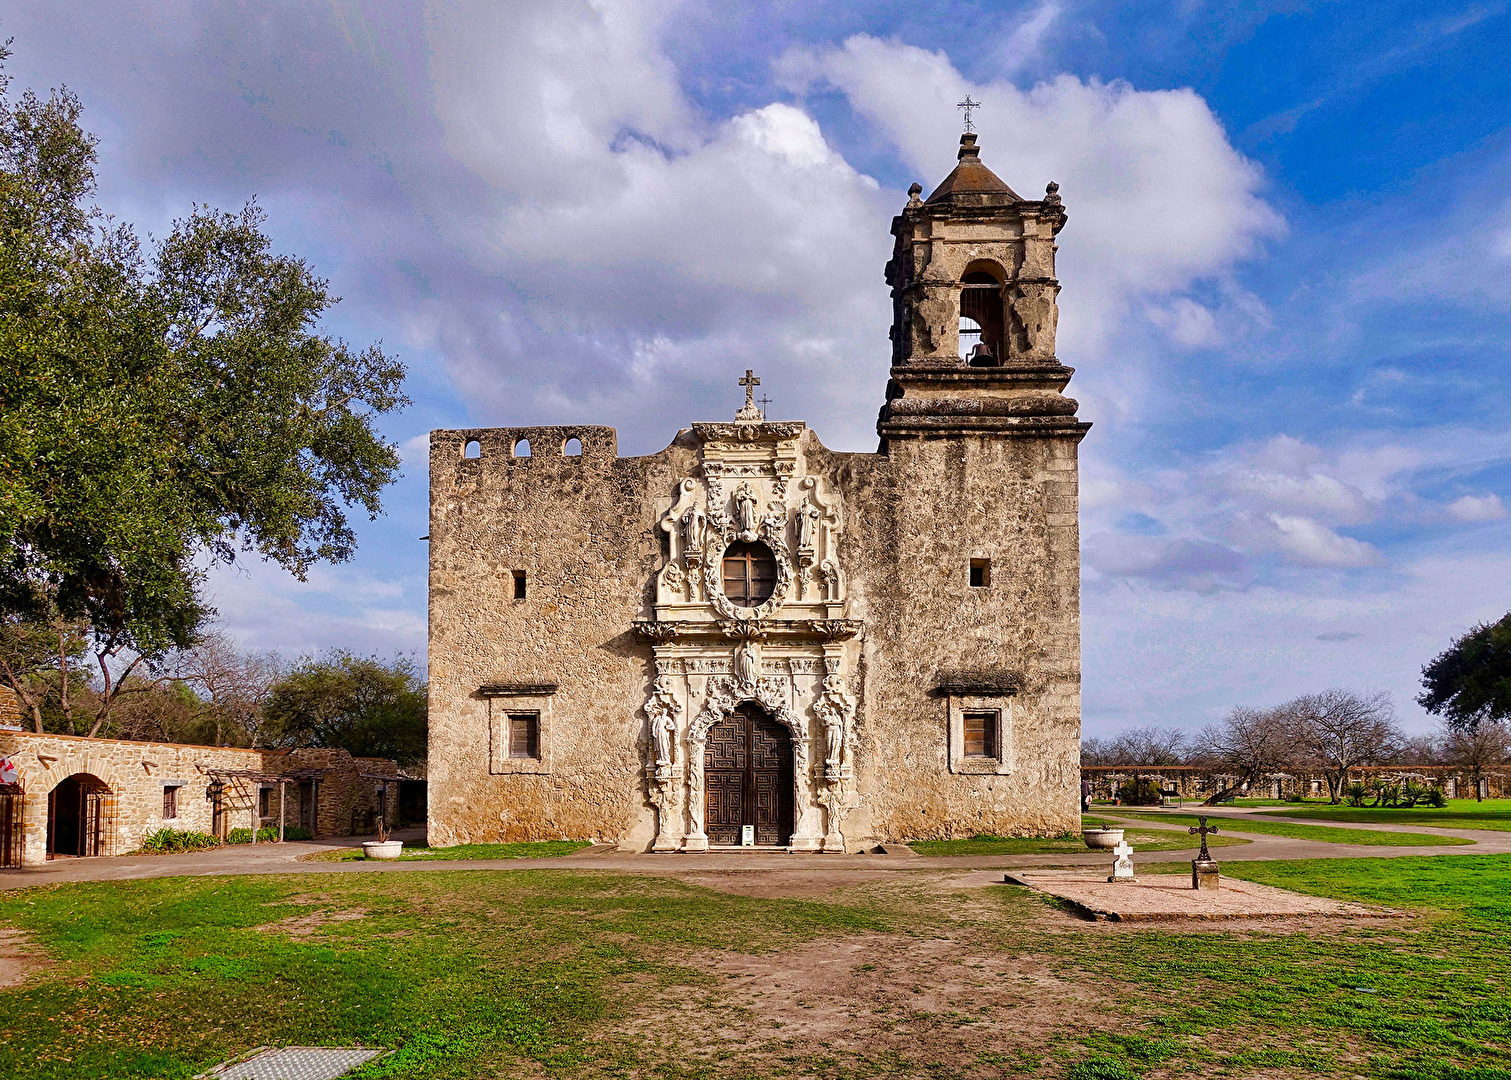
[(1458, 814), (537, 973), (537, 849), (1323, 833), (1146, 840)]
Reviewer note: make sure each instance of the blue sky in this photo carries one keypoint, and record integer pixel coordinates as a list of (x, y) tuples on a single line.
[(1287, 272)]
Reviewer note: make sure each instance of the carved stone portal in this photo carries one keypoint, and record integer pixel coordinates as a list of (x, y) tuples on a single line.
[(791, 654)]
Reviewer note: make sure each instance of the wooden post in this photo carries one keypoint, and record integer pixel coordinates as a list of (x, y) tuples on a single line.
[(283, 788)]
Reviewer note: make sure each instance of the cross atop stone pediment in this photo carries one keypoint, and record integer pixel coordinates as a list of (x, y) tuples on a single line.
[(751, 413)]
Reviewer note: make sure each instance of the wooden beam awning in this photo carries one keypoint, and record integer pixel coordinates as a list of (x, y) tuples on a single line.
[(262, 777)]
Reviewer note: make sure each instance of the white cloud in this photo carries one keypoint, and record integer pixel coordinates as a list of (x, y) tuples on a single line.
[(1311, 543), (1158, 198), (660, 264), (1185, 658), (1188, 323), (1477, 508)]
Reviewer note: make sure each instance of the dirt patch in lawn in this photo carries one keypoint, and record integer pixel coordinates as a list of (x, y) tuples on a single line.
[(19, 957), (306, 925), (882, 998), (782, 883)]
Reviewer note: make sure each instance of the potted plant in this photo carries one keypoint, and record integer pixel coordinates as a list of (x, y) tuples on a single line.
[(382, 847), (1108, 838)]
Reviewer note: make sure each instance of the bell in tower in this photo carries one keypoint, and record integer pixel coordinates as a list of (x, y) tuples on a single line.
[(974, 307)]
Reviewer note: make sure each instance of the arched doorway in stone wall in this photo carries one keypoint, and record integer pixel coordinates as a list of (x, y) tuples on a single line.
[(80, 817), (748, 769)]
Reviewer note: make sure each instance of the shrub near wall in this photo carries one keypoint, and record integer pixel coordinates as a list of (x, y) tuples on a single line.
[(175, 841)]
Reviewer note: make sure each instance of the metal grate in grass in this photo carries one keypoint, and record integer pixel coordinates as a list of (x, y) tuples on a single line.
[(294, 1063)]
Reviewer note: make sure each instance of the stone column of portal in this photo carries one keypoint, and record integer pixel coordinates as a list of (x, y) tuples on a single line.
[(696, 839)]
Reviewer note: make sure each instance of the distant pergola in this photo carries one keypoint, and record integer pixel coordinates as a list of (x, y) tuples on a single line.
[(241, 778)]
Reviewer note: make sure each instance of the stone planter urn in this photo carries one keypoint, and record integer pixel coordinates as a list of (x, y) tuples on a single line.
[(1102, 838), (382, 849)]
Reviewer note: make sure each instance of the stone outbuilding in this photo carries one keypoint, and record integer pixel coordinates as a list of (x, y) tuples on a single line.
[(69, 796), (750, 640)]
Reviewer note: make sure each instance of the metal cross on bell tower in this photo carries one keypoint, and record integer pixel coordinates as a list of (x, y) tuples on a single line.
[(966, 106)]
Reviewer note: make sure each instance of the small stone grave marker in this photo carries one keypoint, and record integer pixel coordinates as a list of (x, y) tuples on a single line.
[(1122, 867)]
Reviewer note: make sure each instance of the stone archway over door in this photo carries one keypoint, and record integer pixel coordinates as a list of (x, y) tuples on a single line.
[(747, 764), (80, 817)]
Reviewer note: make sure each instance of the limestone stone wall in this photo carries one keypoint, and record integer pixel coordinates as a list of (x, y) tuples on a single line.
[(920, 514), (584, 531), (136, 773)]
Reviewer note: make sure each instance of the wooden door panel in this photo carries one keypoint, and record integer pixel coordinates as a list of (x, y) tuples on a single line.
[(727, 743), (748, 779), (726, 806)]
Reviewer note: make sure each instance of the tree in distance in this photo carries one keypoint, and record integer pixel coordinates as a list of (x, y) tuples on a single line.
[(1330, 732), (1469, 683), (162, 410), (361, 704), (1338, 730)]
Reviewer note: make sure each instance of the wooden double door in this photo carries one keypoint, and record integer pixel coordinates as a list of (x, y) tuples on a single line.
[(747, 773)]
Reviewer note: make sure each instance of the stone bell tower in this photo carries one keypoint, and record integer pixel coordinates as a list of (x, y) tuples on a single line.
[(974, 308)]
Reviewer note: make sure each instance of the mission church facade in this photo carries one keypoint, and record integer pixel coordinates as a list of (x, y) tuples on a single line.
[(748, 639)]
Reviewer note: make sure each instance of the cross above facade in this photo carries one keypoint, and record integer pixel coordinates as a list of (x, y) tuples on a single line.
[(750, 414), (967, 105), (1204, 855)]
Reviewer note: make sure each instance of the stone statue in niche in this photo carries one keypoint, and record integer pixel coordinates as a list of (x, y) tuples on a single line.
[(747, 664), (807, 521), (662, 708), (833, 708), (745, 513), (694, 528)]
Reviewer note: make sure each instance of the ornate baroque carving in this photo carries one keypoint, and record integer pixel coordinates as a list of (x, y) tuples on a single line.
[(663, 708)]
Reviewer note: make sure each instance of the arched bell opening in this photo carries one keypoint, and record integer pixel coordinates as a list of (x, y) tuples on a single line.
[(80, 817), (981, 316)]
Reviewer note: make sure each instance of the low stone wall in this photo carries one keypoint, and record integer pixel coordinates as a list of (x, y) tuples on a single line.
[(129, 778)]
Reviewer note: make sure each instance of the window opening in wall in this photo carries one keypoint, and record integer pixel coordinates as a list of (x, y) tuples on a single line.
[(522, 448), (170, 802), (749, 574), (573, 448), (473, 449), (981, 573), (981, 734), (524, 735), (519, 584)]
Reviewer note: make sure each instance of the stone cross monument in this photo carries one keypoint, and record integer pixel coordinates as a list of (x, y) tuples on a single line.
[(1204, 874)]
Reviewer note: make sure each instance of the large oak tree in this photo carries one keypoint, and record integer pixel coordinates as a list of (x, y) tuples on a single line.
[(163, 407), (1469, 683)]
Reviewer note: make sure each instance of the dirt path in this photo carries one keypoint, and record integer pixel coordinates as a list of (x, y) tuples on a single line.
[(754, 873)]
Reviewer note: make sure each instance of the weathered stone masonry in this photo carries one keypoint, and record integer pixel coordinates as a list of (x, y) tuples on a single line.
[(129, 778), (915, 667)]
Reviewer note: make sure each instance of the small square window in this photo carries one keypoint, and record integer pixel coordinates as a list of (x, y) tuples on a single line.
[(524, 735), (981, 734), (519, 584), (981, 573), (170, 802)]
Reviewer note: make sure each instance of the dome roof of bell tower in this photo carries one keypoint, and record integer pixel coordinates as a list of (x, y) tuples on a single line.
[(971, 177)]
